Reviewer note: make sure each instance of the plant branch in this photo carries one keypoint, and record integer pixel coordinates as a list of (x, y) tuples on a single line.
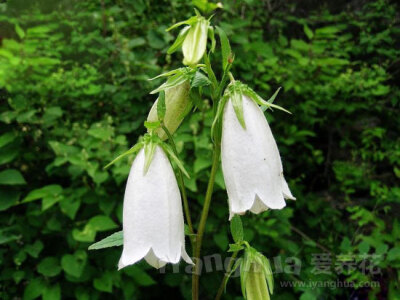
[(226, 276)]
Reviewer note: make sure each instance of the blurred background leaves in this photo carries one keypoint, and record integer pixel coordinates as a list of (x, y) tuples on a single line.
[(74, 94)]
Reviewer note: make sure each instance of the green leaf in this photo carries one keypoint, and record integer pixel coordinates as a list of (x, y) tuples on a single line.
[(52, 292), (34, 249), (140, 276), (309, 33), (34, 289), (19, 31), (113, 240), (102, 223), (104, 282), (11, 177), (74, 264), (49, 267), (8, 198), (237, 229), (47, 191), (7, 138), (225, 47)]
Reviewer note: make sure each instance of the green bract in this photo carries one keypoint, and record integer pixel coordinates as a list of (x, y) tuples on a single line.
[(149, 142)]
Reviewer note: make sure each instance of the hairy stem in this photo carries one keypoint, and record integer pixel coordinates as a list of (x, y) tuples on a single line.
[(202, 224)]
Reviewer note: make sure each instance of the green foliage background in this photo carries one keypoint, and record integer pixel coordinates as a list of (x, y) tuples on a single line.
[(74, 94)]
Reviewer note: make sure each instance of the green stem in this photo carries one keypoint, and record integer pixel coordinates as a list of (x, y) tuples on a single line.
[(202, 224), (226, 276), (181, 185)]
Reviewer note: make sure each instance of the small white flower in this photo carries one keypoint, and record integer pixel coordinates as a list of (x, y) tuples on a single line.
[(251, 162), (153, 223)]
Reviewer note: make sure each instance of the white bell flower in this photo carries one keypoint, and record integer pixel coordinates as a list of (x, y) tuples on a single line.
[(251, 162), (153, 225)]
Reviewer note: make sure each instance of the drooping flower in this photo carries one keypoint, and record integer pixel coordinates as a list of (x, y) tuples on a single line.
[(251, 162), (153, 224)]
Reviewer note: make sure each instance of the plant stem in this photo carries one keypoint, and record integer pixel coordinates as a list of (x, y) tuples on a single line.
[(202, 224), (181, 185), (226, 276)]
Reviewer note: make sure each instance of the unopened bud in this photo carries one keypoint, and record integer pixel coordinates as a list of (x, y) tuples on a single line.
[(194, 45), (177, 105)]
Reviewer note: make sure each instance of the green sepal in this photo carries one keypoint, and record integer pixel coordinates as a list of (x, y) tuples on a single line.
[(268, 273), (133, 150), (218, 116), (211, 36), (235, 247), (152, 125), (179, 40), (167, 74), (260, 101), (113, 240), (161, 108), (149, 150), (177, 77), (189, 22), (167, 148), (237, 102)]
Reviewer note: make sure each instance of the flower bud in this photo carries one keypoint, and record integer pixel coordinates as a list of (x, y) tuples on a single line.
[(256, 285), (256, 276), (177, 105), (194, 45)]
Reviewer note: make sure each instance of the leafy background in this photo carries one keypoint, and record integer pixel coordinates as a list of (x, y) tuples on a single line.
[(74, 94)]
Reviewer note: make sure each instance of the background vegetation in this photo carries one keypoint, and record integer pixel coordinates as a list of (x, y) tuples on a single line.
[(74, 94)]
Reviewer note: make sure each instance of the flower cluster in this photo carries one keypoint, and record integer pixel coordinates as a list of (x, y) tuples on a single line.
[(153, 220)]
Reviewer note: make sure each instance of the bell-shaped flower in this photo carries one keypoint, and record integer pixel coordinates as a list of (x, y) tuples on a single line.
[(251, 162), (153, 225)]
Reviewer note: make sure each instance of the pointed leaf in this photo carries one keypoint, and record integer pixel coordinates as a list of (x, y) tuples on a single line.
[(237, 229), (174, 158), (116, 239), (225, 47)]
